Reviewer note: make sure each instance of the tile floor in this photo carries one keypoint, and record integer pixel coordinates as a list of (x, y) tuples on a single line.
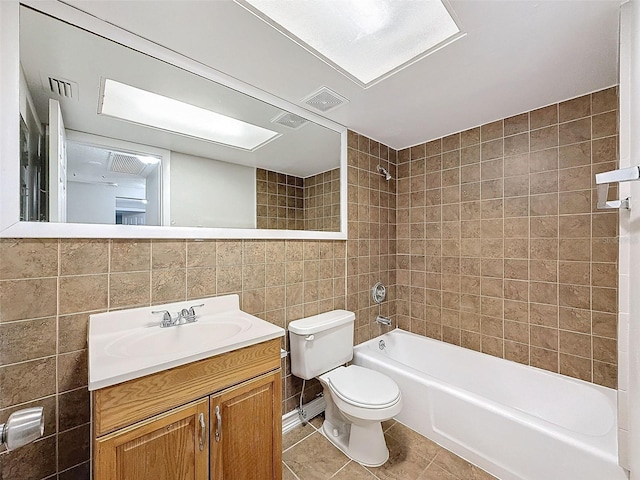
[(308, 455)]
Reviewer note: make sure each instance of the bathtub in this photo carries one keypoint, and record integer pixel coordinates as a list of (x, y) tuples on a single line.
[(514, 421)]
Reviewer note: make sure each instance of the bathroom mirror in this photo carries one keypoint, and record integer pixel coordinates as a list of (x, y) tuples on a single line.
[(137, 141)]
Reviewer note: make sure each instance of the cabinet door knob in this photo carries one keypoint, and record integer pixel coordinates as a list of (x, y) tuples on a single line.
[(219, 425)]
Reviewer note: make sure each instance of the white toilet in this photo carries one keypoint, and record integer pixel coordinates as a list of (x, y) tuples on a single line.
[(358, 399)]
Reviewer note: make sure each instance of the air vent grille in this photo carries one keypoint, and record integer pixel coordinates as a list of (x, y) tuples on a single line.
[(290, 120), (324, 99), (62, 88), (123, 163)]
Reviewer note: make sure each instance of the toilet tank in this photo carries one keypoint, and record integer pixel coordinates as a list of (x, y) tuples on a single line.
[(321, 343)]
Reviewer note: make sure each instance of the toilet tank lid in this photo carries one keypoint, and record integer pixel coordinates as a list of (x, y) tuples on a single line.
[(321, 322)]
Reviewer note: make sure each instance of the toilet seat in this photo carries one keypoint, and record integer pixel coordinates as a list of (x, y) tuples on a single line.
[(362, 387)]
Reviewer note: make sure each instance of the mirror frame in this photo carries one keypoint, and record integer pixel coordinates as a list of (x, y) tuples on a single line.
[(12, 227)]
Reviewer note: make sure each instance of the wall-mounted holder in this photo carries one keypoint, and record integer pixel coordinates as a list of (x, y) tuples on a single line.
[(22, 427), (614, 176)]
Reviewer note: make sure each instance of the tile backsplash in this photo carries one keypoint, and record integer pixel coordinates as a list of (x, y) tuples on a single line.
[(487, 238)]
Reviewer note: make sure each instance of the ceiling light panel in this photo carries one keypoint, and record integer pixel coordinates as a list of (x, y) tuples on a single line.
[(147, 108), (365, 40)]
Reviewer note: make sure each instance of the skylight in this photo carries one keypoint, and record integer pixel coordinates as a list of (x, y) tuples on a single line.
[(366, 40), (146, 108)]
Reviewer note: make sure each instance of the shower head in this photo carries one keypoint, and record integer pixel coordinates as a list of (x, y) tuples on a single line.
[(384, 172)]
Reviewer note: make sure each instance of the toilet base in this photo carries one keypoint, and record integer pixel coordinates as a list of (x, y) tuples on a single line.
[(363, 443)]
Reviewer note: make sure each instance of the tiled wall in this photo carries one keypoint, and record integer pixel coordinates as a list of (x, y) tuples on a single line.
[(49, 287), (371, 245), (280, 201), (322, 201), (499, 245), (295, 203)]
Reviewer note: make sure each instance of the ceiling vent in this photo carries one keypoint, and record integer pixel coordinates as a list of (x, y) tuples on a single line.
[(289, 120), (124, 163), (60, 87), (324, 99)]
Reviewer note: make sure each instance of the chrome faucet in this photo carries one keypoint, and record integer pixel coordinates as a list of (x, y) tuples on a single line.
[(189, 314), (383, 320), (167, 319), (186, 314)]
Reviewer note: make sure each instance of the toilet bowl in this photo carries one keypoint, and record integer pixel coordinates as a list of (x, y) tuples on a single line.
[(357, 399)]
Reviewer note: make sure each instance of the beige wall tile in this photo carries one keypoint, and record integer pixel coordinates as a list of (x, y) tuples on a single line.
[(576, 108), (72, 332), (28, 258), (577, 367), (22, 299), (27, 340), (75, 408), (544, 116), (131, 289), (168, 254), (31, 461), (130, 255), (201, 282), (72, 370), (201, 253), (78, 257), (604, 100), (23, 382), (73, 447), (83, 293), (168, 285)]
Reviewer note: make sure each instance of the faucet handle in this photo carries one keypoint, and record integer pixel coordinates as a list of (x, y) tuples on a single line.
[(167, 321), (192, 308), (190, 314)]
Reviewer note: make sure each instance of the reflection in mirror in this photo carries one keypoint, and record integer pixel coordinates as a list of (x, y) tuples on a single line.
[(194, 154)]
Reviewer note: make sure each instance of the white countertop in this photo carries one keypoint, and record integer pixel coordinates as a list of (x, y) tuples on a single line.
[(129, 344)]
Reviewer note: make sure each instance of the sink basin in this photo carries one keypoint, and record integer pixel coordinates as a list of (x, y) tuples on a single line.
[(189, 337), (129, 344)]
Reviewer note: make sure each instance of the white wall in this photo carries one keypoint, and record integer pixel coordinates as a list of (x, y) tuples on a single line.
[(629, 255), (87, 203), (154, 197), (96, 203), (210, 193)]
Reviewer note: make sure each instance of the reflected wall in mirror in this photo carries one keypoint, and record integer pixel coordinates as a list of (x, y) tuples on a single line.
[(194, 153)]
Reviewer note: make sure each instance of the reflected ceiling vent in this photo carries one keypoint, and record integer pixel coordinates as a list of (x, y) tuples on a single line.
[(125, 163), (324, 99), (290, 120), (60, 86)]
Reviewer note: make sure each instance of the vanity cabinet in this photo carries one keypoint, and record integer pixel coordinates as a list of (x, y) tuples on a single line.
[(173, 445), (218, 418), (244, 443)]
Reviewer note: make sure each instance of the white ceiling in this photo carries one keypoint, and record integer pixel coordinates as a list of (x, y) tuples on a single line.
[(516, 56)]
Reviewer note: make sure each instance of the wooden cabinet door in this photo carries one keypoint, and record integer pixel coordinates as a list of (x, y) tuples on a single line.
[(170, 446), (246, 431)]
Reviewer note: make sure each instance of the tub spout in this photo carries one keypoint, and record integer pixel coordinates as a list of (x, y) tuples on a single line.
[(383, 320)]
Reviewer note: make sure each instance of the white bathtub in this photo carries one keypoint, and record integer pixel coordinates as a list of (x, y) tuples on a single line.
[(514, 421)]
